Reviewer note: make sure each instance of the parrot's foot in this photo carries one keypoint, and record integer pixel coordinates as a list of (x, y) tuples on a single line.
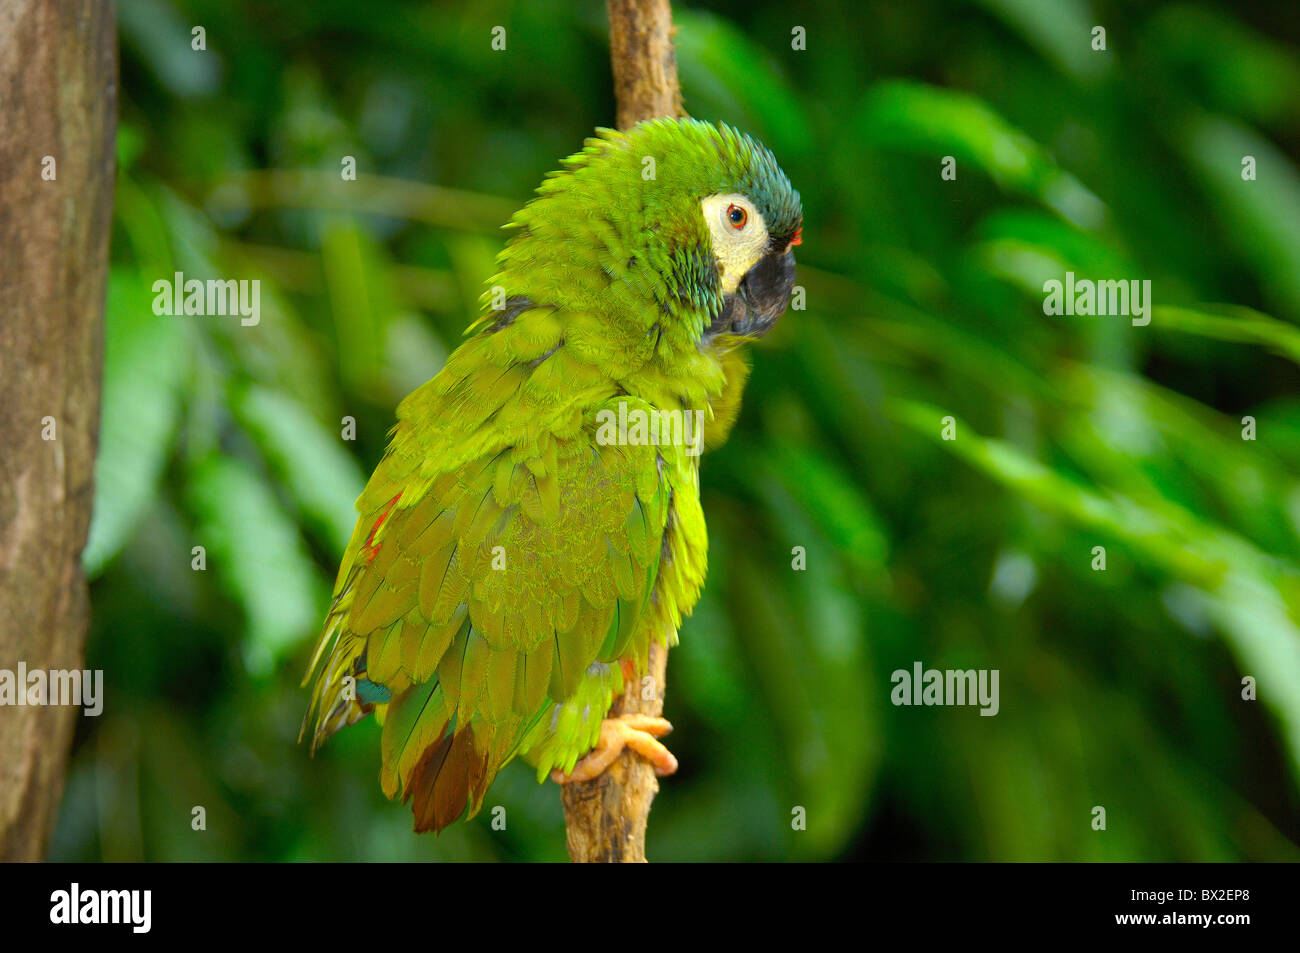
[(638, 732)]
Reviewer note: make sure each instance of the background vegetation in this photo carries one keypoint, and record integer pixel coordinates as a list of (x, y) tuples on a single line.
[(1119, 688)]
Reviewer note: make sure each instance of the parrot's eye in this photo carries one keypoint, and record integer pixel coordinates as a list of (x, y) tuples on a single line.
[(737, 235)]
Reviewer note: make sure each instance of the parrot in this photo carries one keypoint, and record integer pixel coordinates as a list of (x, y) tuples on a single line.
[(535, 521)]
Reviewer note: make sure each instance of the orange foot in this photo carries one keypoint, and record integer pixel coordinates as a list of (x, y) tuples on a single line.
[(638, 732)]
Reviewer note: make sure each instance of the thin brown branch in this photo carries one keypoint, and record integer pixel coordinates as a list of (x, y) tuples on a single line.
[(606, 818), (645, 67)]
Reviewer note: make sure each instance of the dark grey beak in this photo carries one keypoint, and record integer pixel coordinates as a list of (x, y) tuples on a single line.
[(760, 299)]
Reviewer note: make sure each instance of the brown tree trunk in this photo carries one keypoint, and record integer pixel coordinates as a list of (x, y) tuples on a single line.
[(58, 95), (605, 819)]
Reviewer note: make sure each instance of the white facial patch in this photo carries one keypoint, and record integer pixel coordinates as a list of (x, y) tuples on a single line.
[(739, 235)]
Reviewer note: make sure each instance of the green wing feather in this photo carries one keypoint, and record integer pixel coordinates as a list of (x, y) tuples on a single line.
[(481, 594)]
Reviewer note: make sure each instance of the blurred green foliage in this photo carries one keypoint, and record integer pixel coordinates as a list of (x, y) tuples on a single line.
[(1119, 688)]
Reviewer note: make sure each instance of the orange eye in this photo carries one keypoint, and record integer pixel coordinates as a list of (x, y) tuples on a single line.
[(737, 216)]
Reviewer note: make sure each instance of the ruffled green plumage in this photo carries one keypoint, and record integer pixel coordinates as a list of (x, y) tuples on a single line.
[(505, 561)]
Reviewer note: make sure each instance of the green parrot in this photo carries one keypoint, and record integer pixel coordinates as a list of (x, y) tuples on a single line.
[(535, 521)]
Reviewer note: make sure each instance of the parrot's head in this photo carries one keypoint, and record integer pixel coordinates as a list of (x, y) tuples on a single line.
[(753, 220), (688, 226)]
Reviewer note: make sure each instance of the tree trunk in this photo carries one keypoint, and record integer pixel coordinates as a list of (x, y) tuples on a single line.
[(605, 819), (58, 95)]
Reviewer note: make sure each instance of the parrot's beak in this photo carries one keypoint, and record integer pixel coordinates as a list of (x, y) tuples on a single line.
[(760, 299)]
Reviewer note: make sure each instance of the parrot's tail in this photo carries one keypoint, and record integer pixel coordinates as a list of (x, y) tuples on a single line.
[(438, 764), (342, 695), (449, 781)]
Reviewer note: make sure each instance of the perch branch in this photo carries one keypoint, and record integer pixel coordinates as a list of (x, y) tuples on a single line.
[(645, 67), (605, 818)]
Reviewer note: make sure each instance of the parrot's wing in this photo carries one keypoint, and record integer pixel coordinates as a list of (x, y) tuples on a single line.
[(469, 603)]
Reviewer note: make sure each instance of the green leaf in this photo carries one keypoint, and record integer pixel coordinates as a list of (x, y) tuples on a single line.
[(1062, 31), (323, 480), (834, 503), (812, 676), (254, 549), (734, 80), (145, 362), (936, 122), (1223, 323), (1263, 215), (1253, 596), (361, 301)]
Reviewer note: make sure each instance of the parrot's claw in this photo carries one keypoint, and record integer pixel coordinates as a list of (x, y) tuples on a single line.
[(638, 732)]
